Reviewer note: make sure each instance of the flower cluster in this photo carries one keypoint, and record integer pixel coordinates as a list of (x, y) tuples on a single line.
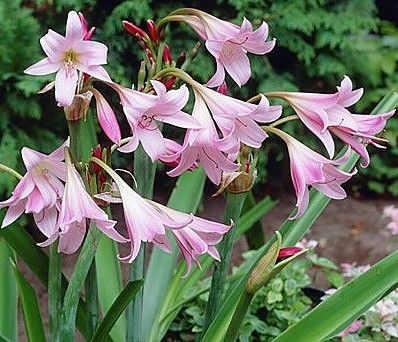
[(219, 128)]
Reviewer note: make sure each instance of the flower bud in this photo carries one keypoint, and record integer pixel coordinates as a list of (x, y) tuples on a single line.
[(223, 89), (169, 83), (134, 30), (287, 252), (153, 31), (261, 273), (167, 58)]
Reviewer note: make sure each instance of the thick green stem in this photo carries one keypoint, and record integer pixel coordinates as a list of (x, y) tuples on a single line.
[(10, 171), (144, 173), (232, 212), (54, 291), (238, 317)]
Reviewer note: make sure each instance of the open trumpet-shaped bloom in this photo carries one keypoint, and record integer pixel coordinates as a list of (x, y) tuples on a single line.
[(320, 111), (362, 132), (66, 55), (238, 119), (77, 207), (146, 221), (228, 43), (145, 112), (39, 191), (204, 145), (310, 168)]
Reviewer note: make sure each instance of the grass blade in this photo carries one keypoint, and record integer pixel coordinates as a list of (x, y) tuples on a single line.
[(30, 308), (117, 308)]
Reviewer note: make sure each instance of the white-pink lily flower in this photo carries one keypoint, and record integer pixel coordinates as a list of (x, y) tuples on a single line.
[(228, 43), (362, 133), (310, 168), (198, 237), (145, 112), (77, 207), (238, 119), (39, 191), (146, 221), (68, 55), (324, 114), (204, 145)]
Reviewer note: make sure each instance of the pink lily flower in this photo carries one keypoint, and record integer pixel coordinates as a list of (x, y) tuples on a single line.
[(362, 133), (228, 43), (310, 168), (68, 55), (146, 221), (145, 112), (238, 119), (204, 145), (324, 114), (39, 191), (198, 237), (77, 207)]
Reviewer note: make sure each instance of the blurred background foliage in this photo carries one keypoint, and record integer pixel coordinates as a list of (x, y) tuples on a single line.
[(318, 41)]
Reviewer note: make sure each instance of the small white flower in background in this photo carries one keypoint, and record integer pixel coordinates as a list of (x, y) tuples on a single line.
[(392, 213), (351, 270), (307, 244)]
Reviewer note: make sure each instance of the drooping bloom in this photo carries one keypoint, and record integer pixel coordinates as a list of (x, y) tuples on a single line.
[(77, 206), (227, 42), (310, 168), (146, 221), (68, 55), (238, 119), (362, 132), (39, 191), (204, 145), (324, 114), (145, 112)]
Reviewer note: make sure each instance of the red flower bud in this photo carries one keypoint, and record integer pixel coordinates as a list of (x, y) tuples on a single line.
[(134, 30), (223, 89), (167, 58), (169, 83), (97, 153), (153, 31), (287, 252)]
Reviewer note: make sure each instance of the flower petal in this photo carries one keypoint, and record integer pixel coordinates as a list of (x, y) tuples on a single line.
[(43, 67), (65, 86)]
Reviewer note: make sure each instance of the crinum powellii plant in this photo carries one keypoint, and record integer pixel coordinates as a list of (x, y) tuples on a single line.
[(69, 190)]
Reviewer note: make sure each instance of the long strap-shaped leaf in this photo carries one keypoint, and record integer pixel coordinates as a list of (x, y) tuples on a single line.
[(30, 308), (339, 310), (8, 293), (292, 232), (117, 308)]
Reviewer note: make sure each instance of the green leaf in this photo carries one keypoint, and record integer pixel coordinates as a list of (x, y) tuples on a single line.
[(117, 308), (30, 308), (8, 293), (72, 294), (339, 310), (186, 197), (109, 282)]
